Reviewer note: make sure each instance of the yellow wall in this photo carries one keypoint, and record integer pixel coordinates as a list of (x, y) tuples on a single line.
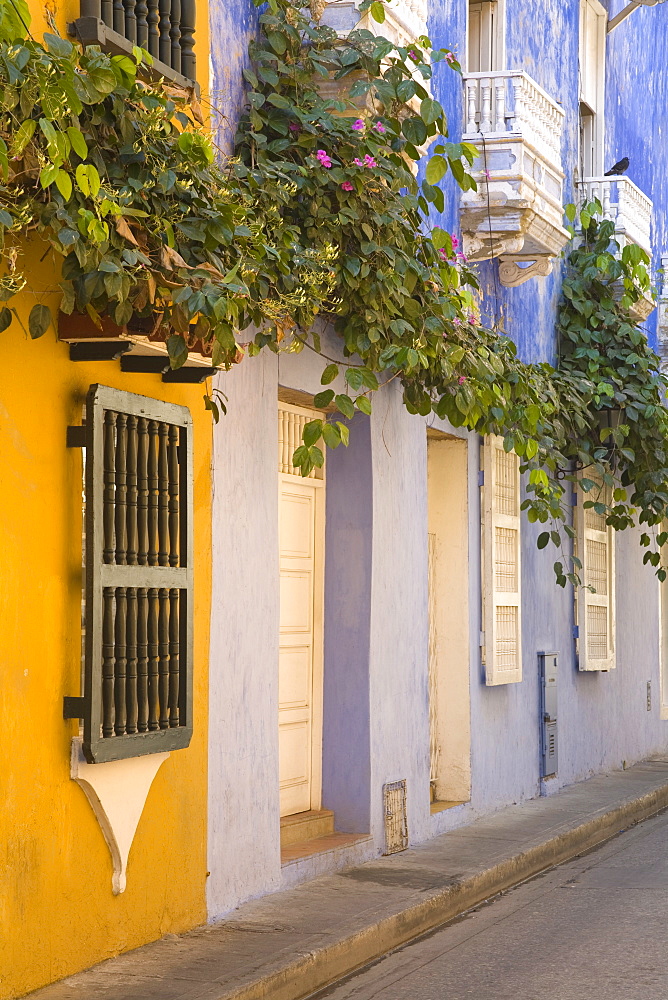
[(57, 911)]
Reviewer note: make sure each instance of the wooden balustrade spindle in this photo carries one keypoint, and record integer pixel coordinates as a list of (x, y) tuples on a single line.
[(109, 485), (118, 20), (142, 661), (108, 662), (142, 491), (153, 661), (163, 653), (175, 34), (173, 488), (91, 8), (121, 489), (174, 639), (107, 12), (131, 704), (153, 33), (163, 497), (141, 10), (164, 28), (132, 494), (188, 65), (130, 21), (120, 661), (153, 493)]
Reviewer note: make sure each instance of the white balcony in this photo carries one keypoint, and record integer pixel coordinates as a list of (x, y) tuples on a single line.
[(517, 212), (631, 211), (405, 20)]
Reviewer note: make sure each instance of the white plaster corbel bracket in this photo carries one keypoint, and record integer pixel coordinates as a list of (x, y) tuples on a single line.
[(117, 791), (630, 7), (515, 270)]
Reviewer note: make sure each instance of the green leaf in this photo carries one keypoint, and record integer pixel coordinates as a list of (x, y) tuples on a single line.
[(437, 167), (78, 142), (331, 436), (430, 111), (6, 317), (415, 130), (345, 405), (322, 399), (39, 321), (64, 184), (312, 432), (363, 403), (329, 374), (377, 11), (177, 350), (59, 46), (344, 432), (48, 175), (277, 41), (22, 136), (543, 539), (279, 101)]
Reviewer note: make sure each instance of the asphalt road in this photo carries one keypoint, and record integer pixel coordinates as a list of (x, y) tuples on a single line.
[(592, 929)]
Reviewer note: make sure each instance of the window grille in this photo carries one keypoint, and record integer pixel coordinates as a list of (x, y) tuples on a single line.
[(165, 28), (595, 546), (291, 423), (138, 620), (502, 583)]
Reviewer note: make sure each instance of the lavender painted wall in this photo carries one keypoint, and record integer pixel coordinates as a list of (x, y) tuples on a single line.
[(376, 717)]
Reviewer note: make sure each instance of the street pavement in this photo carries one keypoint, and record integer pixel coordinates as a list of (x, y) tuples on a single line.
[(595, 928)]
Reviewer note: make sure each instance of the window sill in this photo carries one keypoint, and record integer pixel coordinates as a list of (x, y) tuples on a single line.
[(93, 31)]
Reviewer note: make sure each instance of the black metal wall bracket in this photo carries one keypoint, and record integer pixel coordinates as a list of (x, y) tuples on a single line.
[(189, 375), (98, 350), (73, 708), (76, 436)]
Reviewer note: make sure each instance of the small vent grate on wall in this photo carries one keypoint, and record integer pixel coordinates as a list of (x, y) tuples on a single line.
[(396, 821)]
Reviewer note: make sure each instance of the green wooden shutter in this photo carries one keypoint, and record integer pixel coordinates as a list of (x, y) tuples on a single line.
[(139, 576)]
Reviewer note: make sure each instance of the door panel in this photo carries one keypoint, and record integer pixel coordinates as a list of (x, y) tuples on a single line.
[(301, 541)]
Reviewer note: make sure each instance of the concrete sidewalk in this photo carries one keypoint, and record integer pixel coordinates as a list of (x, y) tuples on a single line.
[(287, 945)]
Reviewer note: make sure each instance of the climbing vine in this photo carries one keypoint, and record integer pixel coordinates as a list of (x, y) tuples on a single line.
[(320, 214)]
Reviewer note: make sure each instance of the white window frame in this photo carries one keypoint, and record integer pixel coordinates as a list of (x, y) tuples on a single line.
[(494, 597), (592, 95), (493, 12), (585, 599)]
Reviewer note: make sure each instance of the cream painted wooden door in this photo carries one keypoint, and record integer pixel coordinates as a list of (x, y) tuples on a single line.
[(301, 542)]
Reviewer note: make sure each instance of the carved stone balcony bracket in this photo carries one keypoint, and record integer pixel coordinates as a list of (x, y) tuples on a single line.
[(516, 213), (515, 270)]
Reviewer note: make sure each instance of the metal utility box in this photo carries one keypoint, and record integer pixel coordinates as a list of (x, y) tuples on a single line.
[(549, 742)]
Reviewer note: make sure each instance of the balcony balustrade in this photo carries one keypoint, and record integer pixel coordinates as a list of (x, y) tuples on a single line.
[(517, 212), (165, 28), (631, 211), (405, 20)]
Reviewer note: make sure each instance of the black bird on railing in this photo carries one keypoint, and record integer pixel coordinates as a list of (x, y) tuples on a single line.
[(619, 168)]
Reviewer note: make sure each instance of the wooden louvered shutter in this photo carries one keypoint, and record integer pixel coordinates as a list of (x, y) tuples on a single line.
[(139, 576), (595, 544), (502, 572)]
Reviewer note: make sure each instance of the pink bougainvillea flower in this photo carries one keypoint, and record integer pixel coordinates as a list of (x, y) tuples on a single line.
[(413, 56), (347, 186), (473, 318), (487, 174), (369, 161), (462, 257), (323, 158), (455, 241), (457, 321), (293, 127), (358, 162), (379, 127), (358, 125), (461, 380), (450, 57), (442, 254)]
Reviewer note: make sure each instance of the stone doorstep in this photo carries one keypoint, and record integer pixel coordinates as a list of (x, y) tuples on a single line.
[(288, 945), (320, 845), (306, 826)]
